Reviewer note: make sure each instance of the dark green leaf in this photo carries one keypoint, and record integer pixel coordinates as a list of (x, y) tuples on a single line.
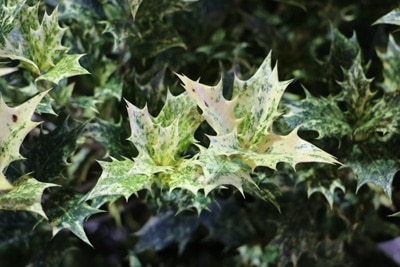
[(391, 69)]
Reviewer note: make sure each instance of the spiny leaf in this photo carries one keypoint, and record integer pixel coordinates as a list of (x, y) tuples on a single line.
[(356, 90), (68, 210), (16, 124), (38, 46), (217, 111), (67, 66), (25, 195), (8, 14), (382, 117), (47, 157), (257, 102), (290, 149), (390, 59), (319, 114), (373, 168), (393, 17), (118, 178), (112, 136), (343, 50), (134, 5), (326, 188)]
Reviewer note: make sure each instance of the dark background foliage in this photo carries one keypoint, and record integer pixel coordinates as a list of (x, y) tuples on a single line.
[(138, 58)]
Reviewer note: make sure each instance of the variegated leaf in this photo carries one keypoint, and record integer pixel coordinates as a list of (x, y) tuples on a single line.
[(68, 210), (391, 69), (15, 123), (25, 195), (356, 90), (8, 15), (373, 168), (37, 45), (319, 114), (393, 17)]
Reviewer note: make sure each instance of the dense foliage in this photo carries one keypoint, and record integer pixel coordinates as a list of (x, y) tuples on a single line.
[(113, 154)]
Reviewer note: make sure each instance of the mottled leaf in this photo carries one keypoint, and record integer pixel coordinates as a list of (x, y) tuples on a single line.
[(356, 90), (318, 114), (326, 188), (118, 178), (37, 45), (390, 59), (393, 17), (47, 157), (112, 88), (373, 168), (134, 5), (165, 229), (343, 51), (68, 210), (67, 66), (112, 136), (382, 117), (26, 194), (16, 124), (8, 15)]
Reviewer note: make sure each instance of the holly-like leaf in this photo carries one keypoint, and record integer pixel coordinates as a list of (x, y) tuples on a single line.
[(67, 66), (47, 157), (382, 117), (393, 17), (373, 168), (25, 195), (243, 125), (8, 14), (391, 69), (165, 229), (15, 123), (37, 45), (343, 50), (356, 90), (319, 114), (326, 188), (68, 210)]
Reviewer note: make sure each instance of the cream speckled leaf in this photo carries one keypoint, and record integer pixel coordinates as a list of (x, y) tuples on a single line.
[(8, 14), (15, 123), (356, 90), (117, 179), (290, 149), (326, 188), (217, 111), (37, 45), (391, 69), (318, 114), (393, 17), (67, 66), (257, 102), (25, 195)]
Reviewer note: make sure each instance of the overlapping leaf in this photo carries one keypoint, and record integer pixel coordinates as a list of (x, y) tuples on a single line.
[(319, 114), (37, 45), (67, 210), (371, 167), (15, 124), (8, 14), (243, 125), (160, 141), (390, 59)]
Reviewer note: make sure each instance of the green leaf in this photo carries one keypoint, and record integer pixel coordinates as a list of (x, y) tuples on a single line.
[(67, 66), (356, 90), (68, 210), (390, 59), (25, 195), (134, 5), (112, 136), (16, 124), (8, 14), (120, 178), (343, 52), (38, 46), (318, 114), (393, 17), (383, 117), (47, 157), (373, 167), (165, 229)]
